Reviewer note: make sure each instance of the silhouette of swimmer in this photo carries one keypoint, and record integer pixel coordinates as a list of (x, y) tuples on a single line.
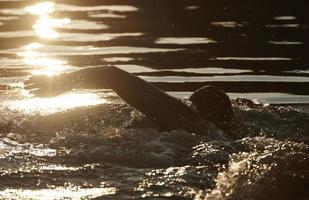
[(207, 111)]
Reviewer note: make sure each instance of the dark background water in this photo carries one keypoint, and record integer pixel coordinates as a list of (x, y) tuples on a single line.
[(255, 49)]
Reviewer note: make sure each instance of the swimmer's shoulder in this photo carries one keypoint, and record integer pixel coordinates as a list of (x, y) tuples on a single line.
[(202, 126)]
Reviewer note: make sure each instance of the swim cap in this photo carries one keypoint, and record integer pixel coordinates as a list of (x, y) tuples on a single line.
[(213, 104)]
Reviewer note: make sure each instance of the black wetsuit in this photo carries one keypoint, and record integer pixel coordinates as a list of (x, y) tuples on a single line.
[(167, 112)]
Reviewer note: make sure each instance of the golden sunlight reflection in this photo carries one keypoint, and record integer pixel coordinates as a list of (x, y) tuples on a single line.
[(52, 66), (42, 8), (56, 104), (45, 65), (44, 26), (52, 193)]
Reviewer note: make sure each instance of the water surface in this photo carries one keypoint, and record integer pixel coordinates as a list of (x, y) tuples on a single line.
[(89, 144), (257, 47)]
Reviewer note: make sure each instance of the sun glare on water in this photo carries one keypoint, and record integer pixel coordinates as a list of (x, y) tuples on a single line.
[(42, 8), (44, 65), (57, 104), (33, 56), (44, 27), (72, 192)]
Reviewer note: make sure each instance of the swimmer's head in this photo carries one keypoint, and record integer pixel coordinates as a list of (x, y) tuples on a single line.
[(213, 104)]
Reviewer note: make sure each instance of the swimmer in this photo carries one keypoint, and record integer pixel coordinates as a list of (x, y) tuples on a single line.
[(207, 111)]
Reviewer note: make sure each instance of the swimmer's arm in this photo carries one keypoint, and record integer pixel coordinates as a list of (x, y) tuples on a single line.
[(144, 96), (167, 111), (88, 78)]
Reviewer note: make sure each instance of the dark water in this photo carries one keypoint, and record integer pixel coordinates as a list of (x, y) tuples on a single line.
[(89, 144), (254, 49)]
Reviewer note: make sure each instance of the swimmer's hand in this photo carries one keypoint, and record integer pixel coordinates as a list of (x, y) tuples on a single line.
[(48, 86), (89, 78)]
